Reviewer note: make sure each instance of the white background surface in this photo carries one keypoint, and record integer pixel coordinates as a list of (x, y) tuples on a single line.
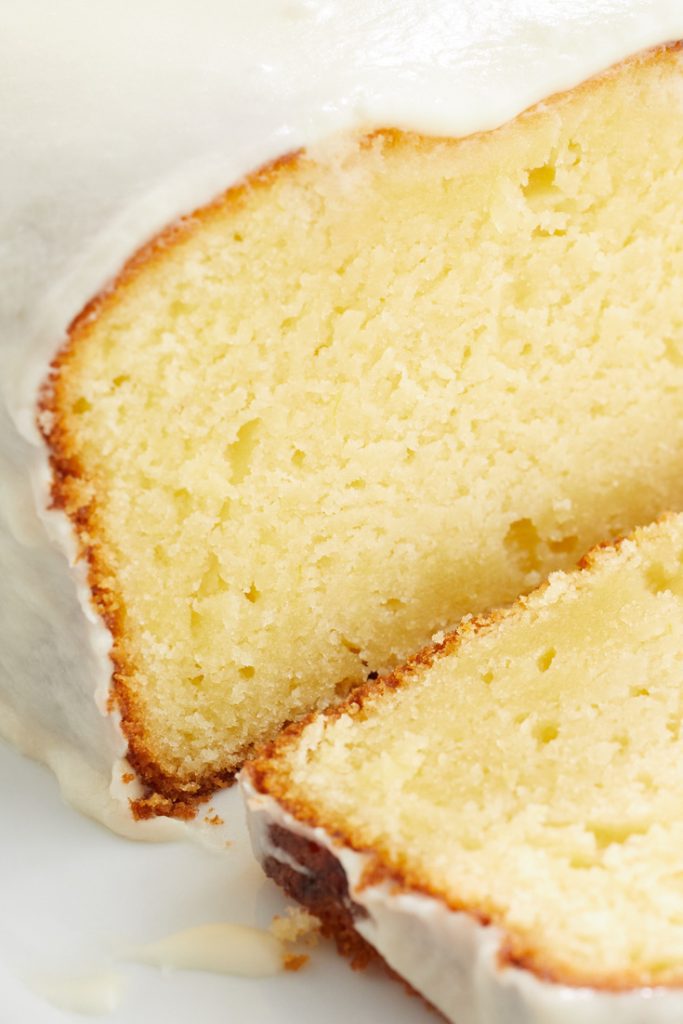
[(72, 894)]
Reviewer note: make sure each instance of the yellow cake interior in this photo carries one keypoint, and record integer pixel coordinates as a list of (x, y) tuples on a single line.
[(533, 775), (381, 385)]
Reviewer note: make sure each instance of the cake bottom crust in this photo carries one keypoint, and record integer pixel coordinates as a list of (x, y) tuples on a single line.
[(322, 888)]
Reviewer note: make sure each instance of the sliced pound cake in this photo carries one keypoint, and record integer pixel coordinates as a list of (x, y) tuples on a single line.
[(501, 819), (380, 385)]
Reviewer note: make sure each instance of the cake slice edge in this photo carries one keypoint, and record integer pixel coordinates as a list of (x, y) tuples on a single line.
[(460, 962), (456, 962)]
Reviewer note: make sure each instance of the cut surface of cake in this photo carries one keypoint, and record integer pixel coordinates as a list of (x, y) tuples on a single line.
[(510, 801), (373, 389)]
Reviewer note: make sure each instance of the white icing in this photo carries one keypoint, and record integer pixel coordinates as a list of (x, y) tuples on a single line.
[(221, 948), (94, 994), (120, 116), (450, 957), (91, 791)]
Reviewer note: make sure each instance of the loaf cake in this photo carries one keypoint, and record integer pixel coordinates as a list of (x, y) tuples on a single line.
[(399, 373), (501, 818)]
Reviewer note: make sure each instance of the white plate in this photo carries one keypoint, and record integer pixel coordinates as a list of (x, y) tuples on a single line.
[(72, 894)]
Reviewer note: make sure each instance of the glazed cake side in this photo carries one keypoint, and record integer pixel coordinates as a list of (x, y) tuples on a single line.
[(223, 515), (564, 820), (456, 961)]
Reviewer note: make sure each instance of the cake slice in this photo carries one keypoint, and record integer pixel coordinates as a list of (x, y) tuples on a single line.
[(501, 819), (380, 385)]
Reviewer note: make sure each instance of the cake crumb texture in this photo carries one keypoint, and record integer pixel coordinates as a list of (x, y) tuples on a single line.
[(296, 925)]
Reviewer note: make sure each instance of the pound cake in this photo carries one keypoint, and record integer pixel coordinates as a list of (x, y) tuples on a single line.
[(429, 352), (501, 818)]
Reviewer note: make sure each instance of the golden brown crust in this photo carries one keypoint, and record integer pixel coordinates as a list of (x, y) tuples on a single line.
[(71, 491)]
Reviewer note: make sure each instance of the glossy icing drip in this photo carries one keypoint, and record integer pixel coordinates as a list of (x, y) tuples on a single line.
[(220, 948), (94, 994)]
